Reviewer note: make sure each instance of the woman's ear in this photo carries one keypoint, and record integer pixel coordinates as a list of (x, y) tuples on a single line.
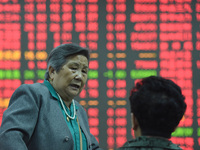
[(135, 126), (51, 72), (134, 122)]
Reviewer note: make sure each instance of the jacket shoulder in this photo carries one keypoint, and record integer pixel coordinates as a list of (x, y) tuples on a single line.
[(149, 143), (36, 88)]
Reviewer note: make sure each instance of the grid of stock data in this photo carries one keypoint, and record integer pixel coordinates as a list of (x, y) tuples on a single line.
[(128, 39)]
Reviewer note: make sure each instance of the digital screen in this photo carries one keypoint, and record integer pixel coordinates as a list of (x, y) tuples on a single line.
[(128, 39)]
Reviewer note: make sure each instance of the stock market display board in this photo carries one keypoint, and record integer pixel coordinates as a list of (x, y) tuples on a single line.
[(128, 39)]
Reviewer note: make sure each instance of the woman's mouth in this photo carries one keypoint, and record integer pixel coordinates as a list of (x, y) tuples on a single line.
[(75, 86)]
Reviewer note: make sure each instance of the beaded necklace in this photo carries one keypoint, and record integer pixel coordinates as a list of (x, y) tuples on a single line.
[(68, 116)]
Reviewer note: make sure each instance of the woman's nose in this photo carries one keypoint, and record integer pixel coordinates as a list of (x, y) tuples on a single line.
[(79, 75)]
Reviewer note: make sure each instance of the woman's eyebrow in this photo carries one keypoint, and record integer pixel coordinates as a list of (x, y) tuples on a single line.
[(77, 64), (85, 67)]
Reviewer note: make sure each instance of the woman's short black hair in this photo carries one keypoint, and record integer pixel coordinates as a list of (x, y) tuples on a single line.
[(158, 105), (58, 56)]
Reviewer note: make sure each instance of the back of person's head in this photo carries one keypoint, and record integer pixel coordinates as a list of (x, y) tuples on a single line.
[(158, 105), (59, 55)]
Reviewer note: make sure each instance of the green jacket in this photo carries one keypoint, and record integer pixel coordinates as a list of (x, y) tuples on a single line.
[(149, 143)]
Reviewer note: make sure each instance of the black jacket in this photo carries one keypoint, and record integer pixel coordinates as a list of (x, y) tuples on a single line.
[(149, 143)]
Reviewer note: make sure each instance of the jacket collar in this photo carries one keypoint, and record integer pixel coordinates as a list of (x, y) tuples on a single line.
[(53, 92), (51, 89)]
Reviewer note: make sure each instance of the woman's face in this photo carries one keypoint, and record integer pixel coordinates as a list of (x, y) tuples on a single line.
[(70, 80)]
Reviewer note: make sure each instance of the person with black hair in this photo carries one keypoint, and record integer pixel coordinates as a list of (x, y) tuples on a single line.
[(157, 106), (45, 116)]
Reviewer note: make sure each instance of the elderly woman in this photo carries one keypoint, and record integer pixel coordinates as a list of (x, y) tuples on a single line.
[(45, 116)]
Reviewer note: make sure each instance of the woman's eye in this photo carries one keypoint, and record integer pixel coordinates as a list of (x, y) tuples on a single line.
[(84, 71), (73, 68)]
